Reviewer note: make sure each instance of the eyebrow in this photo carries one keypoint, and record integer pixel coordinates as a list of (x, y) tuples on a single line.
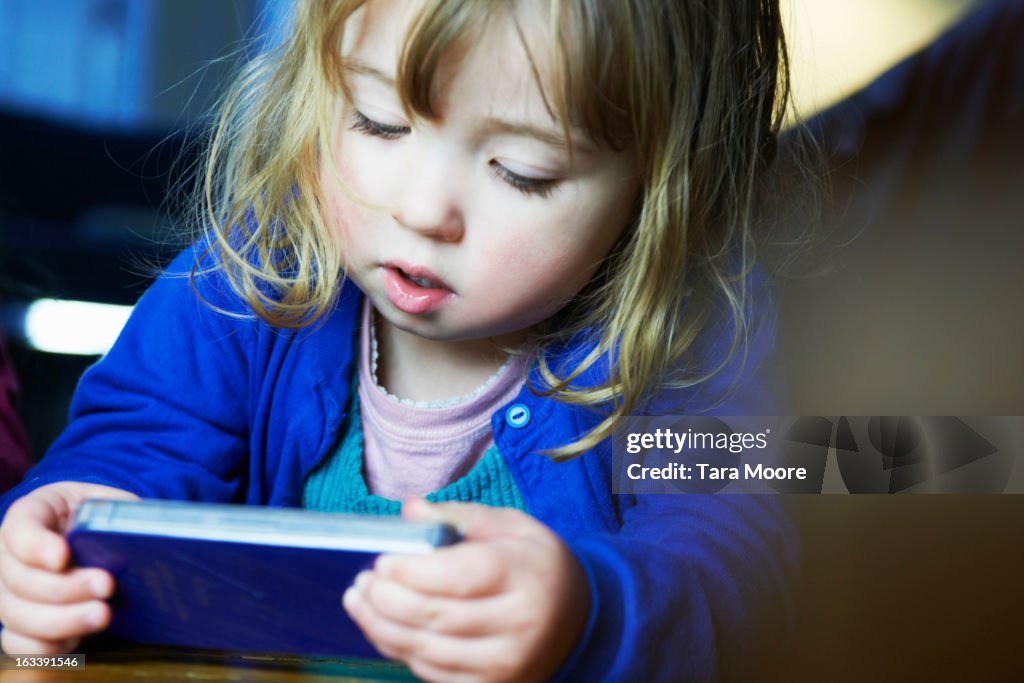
[(361, 68), (526, 130), (548, 137)]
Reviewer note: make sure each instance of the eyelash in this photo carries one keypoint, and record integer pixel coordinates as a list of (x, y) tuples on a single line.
[(377, 129), (540, 187)]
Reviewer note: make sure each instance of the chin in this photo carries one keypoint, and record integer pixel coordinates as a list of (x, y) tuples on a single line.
[(428, 326)]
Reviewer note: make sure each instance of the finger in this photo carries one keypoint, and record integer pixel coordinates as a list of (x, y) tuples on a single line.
[(53, 622), (440, 614), (491, 658), (465, 570), (410, 644), (363, 615), (29, 533), (475, 521), (17, 644), (39, 585), (392, 640), (426, 671)]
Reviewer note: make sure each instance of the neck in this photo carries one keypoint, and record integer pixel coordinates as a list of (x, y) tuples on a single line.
[(419, 369)]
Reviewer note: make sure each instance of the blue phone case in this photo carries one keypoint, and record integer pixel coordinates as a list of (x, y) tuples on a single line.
[(277, 595)]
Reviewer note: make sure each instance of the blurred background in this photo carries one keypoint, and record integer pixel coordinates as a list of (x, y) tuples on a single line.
[(917, 309), (839, 47), (102, 104)]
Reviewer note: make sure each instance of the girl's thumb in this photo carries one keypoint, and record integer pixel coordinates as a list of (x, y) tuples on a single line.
[(473, 520)]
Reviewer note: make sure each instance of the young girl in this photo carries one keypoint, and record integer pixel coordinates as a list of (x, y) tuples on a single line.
[(449, 244)]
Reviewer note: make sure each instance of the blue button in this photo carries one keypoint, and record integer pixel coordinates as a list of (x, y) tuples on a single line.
[(517, 416)]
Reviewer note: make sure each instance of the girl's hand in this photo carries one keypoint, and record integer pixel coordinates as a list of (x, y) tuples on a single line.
[(45, 606), (507, 604)]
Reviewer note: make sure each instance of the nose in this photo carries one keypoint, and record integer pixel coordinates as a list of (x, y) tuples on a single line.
[(427, 197)]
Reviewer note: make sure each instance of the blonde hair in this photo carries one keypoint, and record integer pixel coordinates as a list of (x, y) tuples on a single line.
[(697, 90)]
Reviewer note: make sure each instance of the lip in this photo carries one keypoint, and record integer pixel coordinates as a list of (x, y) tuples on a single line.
[(417, 271), (409, 297)]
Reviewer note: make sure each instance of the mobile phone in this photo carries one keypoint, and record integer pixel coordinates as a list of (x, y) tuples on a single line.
[(236, 577)]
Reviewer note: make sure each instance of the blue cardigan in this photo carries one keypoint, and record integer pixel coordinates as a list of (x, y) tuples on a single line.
[(194, 404)]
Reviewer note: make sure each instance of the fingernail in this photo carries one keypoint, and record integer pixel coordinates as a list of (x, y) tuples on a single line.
[(54, 559), (415, 506), (385, 564), (349, 598), (95, 617), (100, 586), (362, 581)]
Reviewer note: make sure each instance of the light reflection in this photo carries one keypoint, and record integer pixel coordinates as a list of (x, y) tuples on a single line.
[(80, 328)]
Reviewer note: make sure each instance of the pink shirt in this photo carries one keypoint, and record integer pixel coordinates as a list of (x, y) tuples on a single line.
[(415, 447)]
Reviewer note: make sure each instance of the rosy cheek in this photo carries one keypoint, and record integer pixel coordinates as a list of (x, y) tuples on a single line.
[(368, 168), (513, 259), (334, 205), (342, 211)]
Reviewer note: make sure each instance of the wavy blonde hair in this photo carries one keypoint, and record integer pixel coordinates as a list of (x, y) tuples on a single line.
[(696, 89)]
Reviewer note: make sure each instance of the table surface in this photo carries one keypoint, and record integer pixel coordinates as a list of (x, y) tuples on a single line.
[(158, 664)]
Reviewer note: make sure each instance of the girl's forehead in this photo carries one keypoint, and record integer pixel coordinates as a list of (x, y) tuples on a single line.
[(494, 47), (381, 30), (395, 18), (377, 28)]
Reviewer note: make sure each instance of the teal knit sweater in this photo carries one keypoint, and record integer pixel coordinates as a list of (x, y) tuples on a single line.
[(338, 485)]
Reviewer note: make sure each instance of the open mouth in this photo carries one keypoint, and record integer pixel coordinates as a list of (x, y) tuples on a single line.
[(415, 290), (417, 276), (419, 280)]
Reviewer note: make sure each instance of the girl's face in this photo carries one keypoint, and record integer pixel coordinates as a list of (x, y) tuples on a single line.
[(480, 224)]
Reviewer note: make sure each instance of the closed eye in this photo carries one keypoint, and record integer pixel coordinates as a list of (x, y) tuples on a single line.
[(541, 187), (367, 126)]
